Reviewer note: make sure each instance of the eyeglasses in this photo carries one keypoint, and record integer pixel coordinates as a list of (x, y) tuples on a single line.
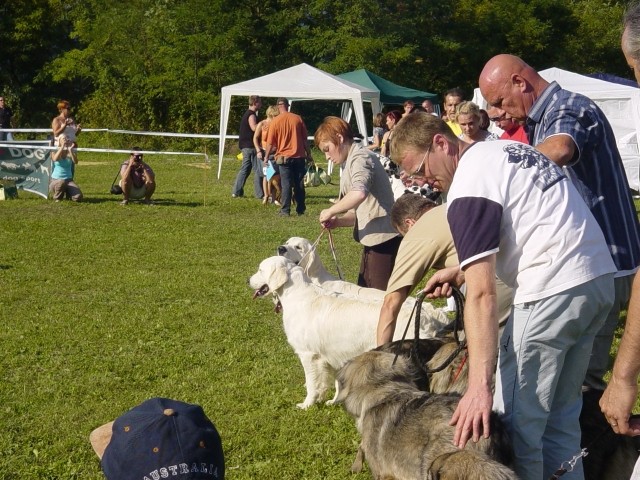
[(281, 103), (496, 119), (418, 171)]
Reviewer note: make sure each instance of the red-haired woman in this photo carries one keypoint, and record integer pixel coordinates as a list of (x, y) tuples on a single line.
[(365, 201)]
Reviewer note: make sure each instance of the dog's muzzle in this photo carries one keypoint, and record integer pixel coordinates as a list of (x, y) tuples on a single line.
[(261, 292)]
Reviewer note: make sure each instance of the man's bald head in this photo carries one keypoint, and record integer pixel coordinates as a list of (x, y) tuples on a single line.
[(511, 85)]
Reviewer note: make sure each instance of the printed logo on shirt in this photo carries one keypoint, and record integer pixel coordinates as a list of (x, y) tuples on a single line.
[(547, 173)]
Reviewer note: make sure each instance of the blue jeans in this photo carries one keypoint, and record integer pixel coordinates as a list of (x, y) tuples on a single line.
[(249, 162), (292, 177), (544, 353)]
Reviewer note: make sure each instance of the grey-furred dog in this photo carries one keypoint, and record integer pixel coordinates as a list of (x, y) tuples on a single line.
[(405, 431)]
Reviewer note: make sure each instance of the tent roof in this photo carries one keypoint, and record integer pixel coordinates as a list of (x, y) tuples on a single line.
[(574, 82), (301, 82), (390, 93)]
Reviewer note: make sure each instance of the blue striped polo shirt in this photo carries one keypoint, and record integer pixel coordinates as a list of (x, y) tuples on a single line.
[(596, 169)]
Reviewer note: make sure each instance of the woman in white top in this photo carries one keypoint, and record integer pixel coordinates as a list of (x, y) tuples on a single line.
[(468, 117)]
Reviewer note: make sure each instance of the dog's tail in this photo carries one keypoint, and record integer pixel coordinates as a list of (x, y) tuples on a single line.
[(470, 465)]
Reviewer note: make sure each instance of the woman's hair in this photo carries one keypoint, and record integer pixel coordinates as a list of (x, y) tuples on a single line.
[(378, 120), (395, 114), (468, 108), (485, 123), (329, 130), (272, 111), (62, 104)]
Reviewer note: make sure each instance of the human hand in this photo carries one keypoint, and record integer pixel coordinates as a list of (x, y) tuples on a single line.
[(616, 403), (471, 417), (440, 283), (326, 218)]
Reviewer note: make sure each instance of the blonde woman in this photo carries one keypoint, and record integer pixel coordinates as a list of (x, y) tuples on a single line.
[(259, 141), (468, 117), (378, 132)]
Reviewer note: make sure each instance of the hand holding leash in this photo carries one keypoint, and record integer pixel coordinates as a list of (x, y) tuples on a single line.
[(441, 283)]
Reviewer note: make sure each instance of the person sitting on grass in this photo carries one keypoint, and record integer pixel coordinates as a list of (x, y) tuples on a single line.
[(138, 180), (64, 162)]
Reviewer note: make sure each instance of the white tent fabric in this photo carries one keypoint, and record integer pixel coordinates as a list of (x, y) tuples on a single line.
[(620, 103), (300, 82)]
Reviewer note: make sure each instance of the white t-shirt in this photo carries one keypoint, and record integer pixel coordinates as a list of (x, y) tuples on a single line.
[(508, 198)]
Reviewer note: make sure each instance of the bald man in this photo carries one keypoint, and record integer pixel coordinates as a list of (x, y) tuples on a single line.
[(574, 133)]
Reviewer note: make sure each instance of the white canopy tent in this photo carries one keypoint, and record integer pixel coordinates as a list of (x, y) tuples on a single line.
[(301, 82), (620, 103)]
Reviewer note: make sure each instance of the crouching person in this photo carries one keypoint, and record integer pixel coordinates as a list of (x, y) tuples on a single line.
[(138, 181), (64, 161)]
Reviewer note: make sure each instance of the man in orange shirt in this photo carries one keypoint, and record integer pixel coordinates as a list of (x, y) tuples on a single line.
[(288, 137)]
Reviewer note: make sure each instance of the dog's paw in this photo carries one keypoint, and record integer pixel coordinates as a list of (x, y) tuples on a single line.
[(330, 402), (304, 405)]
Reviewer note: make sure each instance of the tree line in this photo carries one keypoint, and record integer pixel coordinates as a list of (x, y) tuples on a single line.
[(160, 64)]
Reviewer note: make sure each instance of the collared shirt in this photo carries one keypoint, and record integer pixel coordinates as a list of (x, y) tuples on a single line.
[(596, 171)]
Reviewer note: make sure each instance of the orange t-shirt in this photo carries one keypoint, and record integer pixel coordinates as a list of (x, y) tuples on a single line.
[(288, 134)]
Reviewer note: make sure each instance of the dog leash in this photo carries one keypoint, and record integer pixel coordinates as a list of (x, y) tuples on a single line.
[(332, 247)]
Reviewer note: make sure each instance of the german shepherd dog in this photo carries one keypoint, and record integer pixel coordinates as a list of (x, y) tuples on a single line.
[(405, 431)]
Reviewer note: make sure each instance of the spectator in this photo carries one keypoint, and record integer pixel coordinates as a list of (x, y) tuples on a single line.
[(65, 124), (64, 161), (137, 179), (468, 117), (574, 133), (619, 398), (427, 243), (407, 106), (452, 99), (250, 160), (393, 117), (160, 438), (364, 203), (378, 132), (512, 130), (428, 107), (509, 208), (485, 123), (288, 137), (259, 143), (6, 114)]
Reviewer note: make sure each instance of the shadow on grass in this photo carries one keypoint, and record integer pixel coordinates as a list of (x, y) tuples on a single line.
[(5, 267), (160, 202)]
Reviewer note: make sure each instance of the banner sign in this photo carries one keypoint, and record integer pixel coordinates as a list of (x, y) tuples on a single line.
[(30, 168)]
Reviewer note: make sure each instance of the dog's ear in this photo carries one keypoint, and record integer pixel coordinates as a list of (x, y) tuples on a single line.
[(276, 274)]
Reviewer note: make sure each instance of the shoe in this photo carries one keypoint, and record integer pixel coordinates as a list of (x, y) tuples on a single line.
[(148, 202), (234, 195), (300, 213), (277, 203), (283, 214), (265, 199), (124, 202)]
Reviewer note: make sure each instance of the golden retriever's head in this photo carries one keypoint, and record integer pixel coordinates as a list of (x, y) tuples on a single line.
[(272, 274), (299, 250)]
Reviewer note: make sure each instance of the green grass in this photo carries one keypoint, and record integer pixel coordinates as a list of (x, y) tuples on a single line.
[(104, 306)]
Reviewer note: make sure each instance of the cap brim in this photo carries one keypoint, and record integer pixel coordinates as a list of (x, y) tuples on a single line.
[(100, 438)]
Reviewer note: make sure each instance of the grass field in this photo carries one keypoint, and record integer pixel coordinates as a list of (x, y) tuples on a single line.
[(104, 306)]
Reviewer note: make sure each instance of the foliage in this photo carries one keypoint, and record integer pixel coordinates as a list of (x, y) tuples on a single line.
[(160, 64)]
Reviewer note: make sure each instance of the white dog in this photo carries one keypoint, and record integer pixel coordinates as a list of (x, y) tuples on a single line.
[(301, 252), (325, 329)]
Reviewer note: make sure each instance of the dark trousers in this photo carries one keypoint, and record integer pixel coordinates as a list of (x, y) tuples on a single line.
[(377, 264), (292, 177)]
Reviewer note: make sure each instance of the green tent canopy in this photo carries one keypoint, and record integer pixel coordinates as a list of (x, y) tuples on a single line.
[(390, 93)]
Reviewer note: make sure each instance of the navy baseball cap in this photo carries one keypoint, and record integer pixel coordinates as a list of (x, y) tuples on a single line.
[(160, 438)]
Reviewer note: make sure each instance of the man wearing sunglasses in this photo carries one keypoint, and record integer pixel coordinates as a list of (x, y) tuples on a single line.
[(512, 130)]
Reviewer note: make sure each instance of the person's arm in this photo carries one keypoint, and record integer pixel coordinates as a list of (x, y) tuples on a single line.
[(346, 205), (377, 140), (57, 155), (253, 122), (471, 417), (389, 314), (257, 139), (560, 149), (74, 155), (385, 144), (620, 395), (57, 125), (440, 283)]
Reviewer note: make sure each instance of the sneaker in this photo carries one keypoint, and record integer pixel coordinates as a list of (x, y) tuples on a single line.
[(283, 214), (277, 203), (124, 202), (234, 195)]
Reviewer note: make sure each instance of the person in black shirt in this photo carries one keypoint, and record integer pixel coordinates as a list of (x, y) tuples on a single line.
[(249, 156)]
